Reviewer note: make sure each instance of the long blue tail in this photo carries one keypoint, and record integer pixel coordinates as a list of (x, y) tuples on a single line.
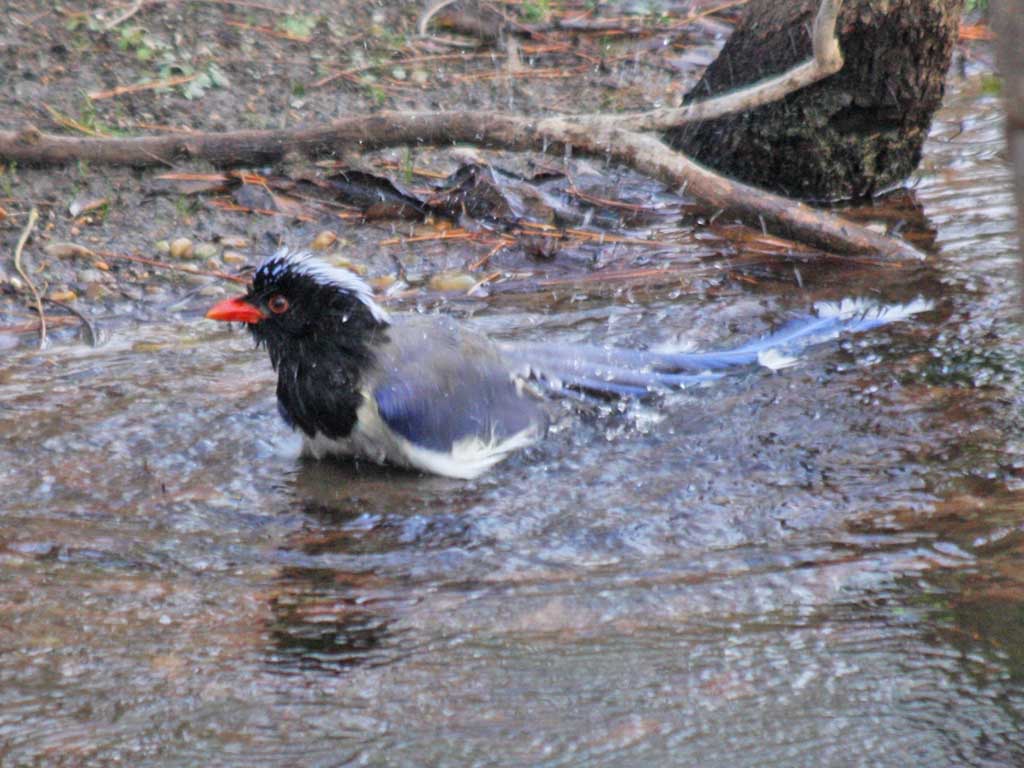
[(636, 373)]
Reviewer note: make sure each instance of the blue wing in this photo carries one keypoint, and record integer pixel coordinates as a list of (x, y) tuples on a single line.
[(456, 386)]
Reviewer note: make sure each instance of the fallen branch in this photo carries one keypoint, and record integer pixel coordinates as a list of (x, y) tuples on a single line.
[(559, 136)]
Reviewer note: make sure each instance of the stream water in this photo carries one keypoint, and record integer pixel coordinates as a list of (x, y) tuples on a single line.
[(819, 566)]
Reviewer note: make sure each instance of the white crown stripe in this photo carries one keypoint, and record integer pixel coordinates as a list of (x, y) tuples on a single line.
[(305, 263)]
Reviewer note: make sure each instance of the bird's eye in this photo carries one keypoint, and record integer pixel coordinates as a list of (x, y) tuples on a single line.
[(278, 304)]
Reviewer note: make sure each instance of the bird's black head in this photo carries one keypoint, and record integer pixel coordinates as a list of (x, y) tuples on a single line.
[(298, 305), (320, 325)]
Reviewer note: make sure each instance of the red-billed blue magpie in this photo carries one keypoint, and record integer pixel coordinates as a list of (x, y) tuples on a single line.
[(426, 392)]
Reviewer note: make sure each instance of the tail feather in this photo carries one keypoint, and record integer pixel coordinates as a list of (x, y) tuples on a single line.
[(636, 373)]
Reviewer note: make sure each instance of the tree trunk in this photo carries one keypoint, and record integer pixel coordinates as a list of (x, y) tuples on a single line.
[(1009, 21), (850, 135)]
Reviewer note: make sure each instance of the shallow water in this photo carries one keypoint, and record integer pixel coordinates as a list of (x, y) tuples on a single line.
[(820, 566)]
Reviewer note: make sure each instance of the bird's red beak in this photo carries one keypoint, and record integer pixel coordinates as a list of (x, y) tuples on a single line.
[(237, 309)]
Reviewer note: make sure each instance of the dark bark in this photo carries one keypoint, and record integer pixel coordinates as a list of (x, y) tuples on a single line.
[(855, 133), (1009, 21)]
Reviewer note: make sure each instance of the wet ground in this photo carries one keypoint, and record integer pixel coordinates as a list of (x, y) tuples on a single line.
[(820, 566)]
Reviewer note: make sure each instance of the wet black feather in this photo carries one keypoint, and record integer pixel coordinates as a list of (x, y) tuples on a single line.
[(319, 346)]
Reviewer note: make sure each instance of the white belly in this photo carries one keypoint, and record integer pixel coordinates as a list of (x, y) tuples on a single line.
[(372, 439)]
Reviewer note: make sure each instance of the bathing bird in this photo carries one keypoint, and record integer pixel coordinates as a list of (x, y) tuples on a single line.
[(427, 392)]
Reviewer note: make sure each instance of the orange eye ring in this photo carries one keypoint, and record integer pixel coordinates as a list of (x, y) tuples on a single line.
[(277, 304)]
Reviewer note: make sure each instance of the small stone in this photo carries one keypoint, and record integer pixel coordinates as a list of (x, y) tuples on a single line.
[(352, 266), (233, 257), (131, 292), (96, 291), (90, 276), (101, 265), (211, 290), (66, 250), (181, 248), (84, 205), (420, 76), (452, 281), (63, 296), (149, 346), (198, 279), (399, 73), (206, 251), (383, 282), (324, 240), (234, 241), (162, 246)]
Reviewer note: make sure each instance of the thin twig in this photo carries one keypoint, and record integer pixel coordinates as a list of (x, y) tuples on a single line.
[(68, 122), (86, 323), (33, 217), (74, 249), (270, 31), (149, 85), (171, 267), (463, 57), (431, 12), (34, 325), (123, 17)]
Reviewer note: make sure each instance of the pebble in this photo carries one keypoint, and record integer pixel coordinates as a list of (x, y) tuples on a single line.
[(63, 296), (351, 266), (131, 292), (162, 246), (383, 282), (234, 241), (233, 257), (90, 276), (323, 240), (206, 251), (181, 248), (452, 281), (66, 250), (211, 290)]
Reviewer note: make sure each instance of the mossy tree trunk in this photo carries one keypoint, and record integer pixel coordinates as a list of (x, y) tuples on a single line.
[(851, 135)]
